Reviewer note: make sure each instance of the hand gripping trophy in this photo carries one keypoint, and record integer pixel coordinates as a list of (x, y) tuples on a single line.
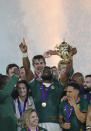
[(65, 51)]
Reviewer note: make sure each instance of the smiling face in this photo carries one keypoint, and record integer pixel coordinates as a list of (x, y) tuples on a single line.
[(33, 119), (38, 65), (22, 90)]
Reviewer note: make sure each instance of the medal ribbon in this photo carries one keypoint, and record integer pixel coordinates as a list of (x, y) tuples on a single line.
[(69, 112), (19, 107), (36, 75), (44, 93)]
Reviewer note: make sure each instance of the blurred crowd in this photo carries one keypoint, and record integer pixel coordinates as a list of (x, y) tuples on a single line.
[(48, 99)]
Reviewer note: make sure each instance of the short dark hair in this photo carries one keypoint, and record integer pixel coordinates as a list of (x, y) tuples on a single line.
[(47, 67), (88, 76), (74, 85), (21, 67), (53, 67), (38, 57), (3, 81), (11, 66)]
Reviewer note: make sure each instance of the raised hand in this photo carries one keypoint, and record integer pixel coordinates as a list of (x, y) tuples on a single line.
[(23, 46), (49, 53), (66, 125), (72, 102), (46, 54), (16, 72), (64, 98)]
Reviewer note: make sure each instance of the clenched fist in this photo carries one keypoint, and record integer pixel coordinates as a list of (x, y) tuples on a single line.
[(66, 125), (49, 53), (16, 72), (23, 46)]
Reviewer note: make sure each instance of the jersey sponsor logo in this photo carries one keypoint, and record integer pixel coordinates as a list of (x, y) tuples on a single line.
[(52, 87)]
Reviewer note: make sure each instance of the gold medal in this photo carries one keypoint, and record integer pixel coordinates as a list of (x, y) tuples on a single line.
[(44, 104)]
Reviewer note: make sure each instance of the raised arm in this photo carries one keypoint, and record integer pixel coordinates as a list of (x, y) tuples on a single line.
[(9, 86), (50, 53), (81, 115), (26, 62)]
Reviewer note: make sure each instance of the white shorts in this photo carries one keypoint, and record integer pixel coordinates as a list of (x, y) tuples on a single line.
[(51, 126)]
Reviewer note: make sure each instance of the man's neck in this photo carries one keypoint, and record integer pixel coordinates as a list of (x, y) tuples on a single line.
[(47, 81)]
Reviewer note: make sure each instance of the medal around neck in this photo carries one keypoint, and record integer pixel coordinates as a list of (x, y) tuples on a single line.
[(43, 104), (44, 95)]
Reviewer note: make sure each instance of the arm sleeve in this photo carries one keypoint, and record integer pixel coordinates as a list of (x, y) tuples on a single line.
[(84, 105), (60, 85), (7, 91), (61, 109), (29, 73)]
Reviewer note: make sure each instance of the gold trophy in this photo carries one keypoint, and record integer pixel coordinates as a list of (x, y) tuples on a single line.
[(65, 51)]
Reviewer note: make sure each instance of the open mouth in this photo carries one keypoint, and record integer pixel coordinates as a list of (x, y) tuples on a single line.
[(36, 122), (39, 69)]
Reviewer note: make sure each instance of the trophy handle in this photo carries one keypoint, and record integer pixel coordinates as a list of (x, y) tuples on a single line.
[(73, 51)]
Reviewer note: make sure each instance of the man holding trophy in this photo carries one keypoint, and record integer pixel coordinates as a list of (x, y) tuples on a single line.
[(65, 65)]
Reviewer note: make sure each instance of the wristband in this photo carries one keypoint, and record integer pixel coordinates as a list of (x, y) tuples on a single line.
[(25, 54), (88, 127)]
